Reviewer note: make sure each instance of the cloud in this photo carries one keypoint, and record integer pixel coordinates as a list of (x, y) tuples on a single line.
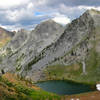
[(5, 4), (61, 19), (88, 7), (15, 14), (74, 3)]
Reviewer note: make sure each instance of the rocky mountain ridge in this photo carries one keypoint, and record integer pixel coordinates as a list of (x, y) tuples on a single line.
[(50, 44), (26, 45)]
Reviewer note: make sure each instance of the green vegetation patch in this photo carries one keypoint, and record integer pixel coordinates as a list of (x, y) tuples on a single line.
[(12, 91), (63, 72)]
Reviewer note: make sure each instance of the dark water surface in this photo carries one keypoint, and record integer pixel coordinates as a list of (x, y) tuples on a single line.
[(64, 87)]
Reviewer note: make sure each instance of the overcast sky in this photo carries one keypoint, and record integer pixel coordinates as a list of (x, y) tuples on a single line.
[(16, 14)]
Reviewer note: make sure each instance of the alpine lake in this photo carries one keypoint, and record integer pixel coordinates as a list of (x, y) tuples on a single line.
[(65, 87)]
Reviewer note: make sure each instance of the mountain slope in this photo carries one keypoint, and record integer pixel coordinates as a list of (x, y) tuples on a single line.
[(31, 44), (18, 40), (72, 36), (75, 46), (81, 63), (51, 53), (14, 88), (5, 36)]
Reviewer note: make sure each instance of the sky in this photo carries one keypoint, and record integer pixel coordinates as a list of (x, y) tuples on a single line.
[(16, 14)]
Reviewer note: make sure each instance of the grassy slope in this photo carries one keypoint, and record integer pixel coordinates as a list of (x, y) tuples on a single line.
[(12, 88)]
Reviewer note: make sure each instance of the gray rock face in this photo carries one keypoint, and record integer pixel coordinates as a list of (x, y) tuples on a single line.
[(50, 44), (18, 40)]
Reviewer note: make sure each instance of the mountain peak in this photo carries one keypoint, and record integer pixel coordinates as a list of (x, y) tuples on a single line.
[(2, 31), (47, 26), (48, 20), (92, 12), (22, 31), (5, 36)]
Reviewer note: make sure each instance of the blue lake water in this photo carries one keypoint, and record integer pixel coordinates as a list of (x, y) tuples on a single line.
[(64, 87)]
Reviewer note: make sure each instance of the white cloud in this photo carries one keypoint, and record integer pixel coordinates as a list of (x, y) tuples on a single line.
[(3, 26), (11, 27), (26, 12), (5, 4), (88, 7), (22, 13), (41, 2), (61, 19), (30, 5)]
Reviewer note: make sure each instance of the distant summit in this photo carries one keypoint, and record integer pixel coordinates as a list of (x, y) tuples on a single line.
[(5, 36), (2, 30)]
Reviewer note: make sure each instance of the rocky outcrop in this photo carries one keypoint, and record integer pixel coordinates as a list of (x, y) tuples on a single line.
[(18, 40)]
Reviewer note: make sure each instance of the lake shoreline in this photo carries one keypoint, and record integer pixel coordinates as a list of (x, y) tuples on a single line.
[(63, 87), (72, 81)]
